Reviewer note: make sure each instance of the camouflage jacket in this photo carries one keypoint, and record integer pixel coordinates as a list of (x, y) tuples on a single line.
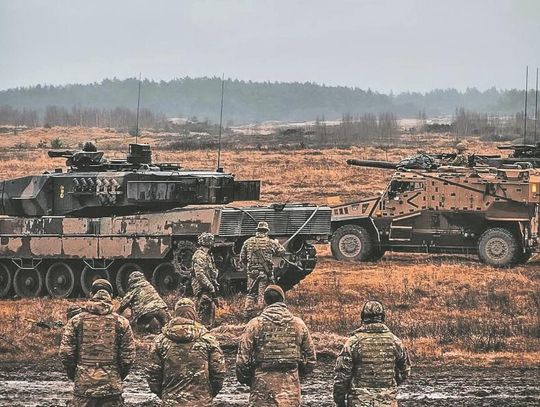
[(275, 347), (460, 160), (142, 298), (259, 249), (186, 366), (205, 273), (370, 366), (97, 349)]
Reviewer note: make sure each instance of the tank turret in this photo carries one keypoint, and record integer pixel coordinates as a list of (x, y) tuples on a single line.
[(93, 186)]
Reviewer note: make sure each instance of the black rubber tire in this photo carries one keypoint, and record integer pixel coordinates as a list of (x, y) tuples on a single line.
[(352, 243), (498, 247), (165, 279)]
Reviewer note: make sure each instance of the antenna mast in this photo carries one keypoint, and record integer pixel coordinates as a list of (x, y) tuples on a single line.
[(138, 104), (526, 92), (536, 106), (220, 122)]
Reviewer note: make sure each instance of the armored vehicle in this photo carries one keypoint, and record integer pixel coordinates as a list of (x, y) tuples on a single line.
[(428, 208), (107, 218)]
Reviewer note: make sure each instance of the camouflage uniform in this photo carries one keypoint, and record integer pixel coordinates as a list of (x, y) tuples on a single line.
[(97, 351), (372, 363), (461, 159), (204, 280), (256, 252), (274, 350), (144, 301), (186, 366)]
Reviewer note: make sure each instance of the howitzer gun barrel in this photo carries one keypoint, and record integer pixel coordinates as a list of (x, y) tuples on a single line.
[(60, 153), (372, 163)]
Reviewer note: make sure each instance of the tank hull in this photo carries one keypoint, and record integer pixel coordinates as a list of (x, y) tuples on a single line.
[(61, 256)]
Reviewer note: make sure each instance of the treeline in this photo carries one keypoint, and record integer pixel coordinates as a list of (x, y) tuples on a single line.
[(118, 117), (247, 101), (357, 129)]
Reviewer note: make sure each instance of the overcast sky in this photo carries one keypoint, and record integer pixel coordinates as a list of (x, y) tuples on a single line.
[(379, 44)]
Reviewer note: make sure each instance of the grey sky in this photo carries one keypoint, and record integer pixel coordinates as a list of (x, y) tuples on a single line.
[(381, 44)]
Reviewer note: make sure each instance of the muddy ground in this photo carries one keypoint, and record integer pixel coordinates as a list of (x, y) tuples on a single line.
[(26, 385)]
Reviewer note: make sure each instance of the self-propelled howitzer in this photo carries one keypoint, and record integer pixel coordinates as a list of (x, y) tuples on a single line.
[(108, 218)]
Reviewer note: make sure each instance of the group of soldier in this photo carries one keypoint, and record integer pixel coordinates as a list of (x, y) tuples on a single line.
[(187, 366)]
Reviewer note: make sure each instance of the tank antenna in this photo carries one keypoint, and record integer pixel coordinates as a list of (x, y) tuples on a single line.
[(525, 117), (536, 106), (138, 104), (220, 123)]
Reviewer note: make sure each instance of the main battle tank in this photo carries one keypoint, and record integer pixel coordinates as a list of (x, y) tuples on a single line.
[(108, 218)]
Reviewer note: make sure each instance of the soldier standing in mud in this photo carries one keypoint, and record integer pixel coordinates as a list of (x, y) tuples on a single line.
[(256, 256), (97, 350), (186, 366), (204, 280), (147, 307), (275, 350), (372, 363)]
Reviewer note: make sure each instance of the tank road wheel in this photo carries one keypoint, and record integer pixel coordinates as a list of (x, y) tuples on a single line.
[(498, 247), (165, 278), (352, 243), (182, 261), (89, 275), (60, 280), (122, 276), (28, 283), (6, 279)]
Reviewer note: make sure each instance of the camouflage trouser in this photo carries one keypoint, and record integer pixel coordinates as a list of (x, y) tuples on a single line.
[(255, 297), (275, 389), (154, 321), (110, 401), (206, 310), (369, 397)]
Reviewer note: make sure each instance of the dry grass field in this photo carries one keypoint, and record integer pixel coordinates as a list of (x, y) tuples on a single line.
[(447, 308)]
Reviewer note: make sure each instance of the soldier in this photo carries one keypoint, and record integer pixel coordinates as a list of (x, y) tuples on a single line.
[(372, 363), (256, 256), (97, 351), (89, 147), (187, 366), (147, 307), (204, 280), (275, 349), (461, 159)]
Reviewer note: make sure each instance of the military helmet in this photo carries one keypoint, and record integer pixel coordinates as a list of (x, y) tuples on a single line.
[(206, 239), (102, 284), (372, 311), (276, 288), (185, 308), (263, 226), (460, 147), (135, 276)]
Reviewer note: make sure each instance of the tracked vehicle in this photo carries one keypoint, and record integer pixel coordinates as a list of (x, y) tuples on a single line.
[(489, 211), (107, 218)]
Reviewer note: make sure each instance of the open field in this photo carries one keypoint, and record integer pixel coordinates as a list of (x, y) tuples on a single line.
[(450, 310)]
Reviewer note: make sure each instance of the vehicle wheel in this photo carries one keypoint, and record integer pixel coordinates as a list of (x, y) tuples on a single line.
[(60, 280), (6, 279), (28, 283), (352, 243), (523, 256), (165, 279), (498, 247), (89, 275), (182, 258), (122, 276)]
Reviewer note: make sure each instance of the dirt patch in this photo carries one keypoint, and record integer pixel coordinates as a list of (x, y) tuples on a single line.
[(430, 385)]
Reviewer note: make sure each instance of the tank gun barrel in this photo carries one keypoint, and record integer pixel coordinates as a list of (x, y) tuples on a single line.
[(61, 153), (372, 163)]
